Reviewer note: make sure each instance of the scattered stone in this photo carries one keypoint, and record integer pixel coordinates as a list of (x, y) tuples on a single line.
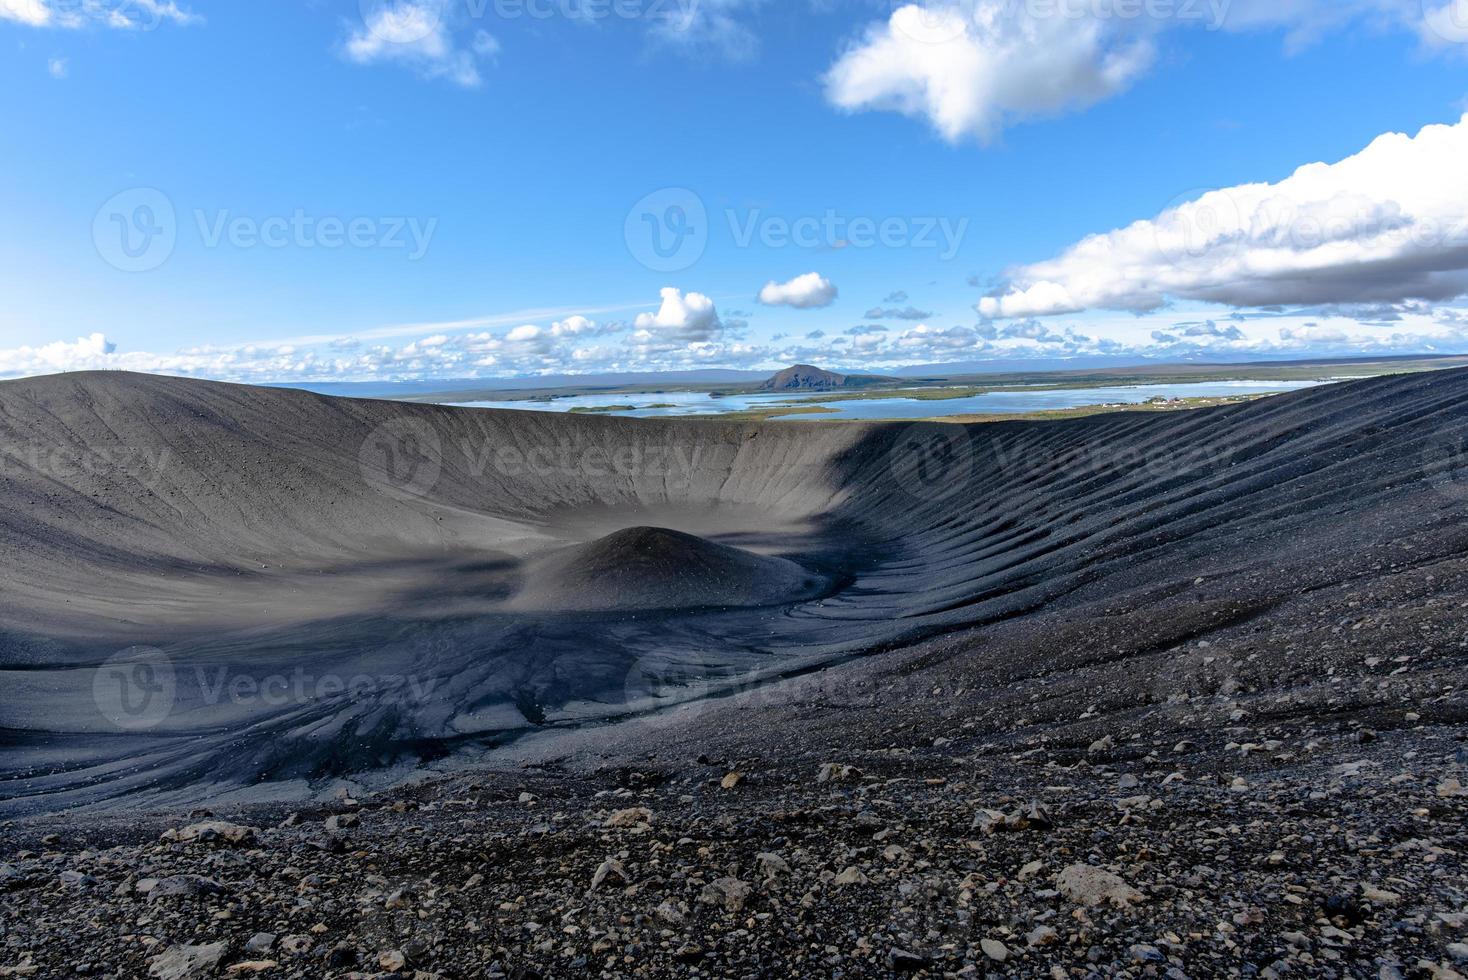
[(1143, 953), (731, 893), (217, 832), (185, 886), (633, 817), (1042, 936), (261, 942), (772, 867), (901, 961), (835, 772), (187, 962), (341, 956), (608, 867), (1092, 887)]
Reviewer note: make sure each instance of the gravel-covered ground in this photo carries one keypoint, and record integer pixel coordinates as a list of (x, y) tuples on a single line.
[(1006, 863), (1217, 813)]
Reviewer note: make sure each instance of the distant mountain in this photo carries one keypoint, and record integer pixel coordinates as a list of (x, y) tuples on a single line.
[(804, 377)]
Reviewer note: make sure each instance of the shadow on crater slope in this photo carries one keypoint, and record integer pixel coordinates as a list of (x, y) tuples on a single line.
[(210, 586)]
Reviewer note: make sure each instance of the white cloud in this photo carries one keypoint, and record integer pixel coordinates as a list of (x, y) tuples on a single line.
[(562, 346), (928, 343), (91, 351), (973, 66), (808, 292), (32, 12), (56, 67), (145, 13), (418, 33), (128, 15), (580, 326), (894, 313), (1386, 225), (679, 322), (528, 347)]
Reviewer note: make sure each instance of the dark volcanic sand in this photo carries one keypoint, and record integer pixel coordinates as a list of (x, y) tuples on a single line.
[(1223, 651)]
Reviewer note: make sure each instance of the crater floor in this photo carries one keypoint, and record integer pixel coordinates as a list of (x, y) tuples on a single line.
[(230, 593)]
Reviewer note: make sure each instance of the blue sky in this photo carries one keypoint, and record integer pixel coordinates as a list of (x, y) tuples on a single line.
[(328, 189)]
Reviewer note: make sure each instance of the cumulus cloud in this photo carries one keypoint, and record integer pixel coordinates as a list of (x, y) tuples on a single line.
[(1030, 330), (32, 12), (929, 343), (808, 292), (525, 348), (118, 14), (1387, 225), (682, 336), (1210, 329), (892, 313), (679, 322), (418, 33), (971, 67), (85, 352)]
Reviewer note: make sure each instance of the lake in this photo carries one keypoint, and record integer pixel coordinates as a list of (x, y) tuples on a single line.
[(1016, 400)]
